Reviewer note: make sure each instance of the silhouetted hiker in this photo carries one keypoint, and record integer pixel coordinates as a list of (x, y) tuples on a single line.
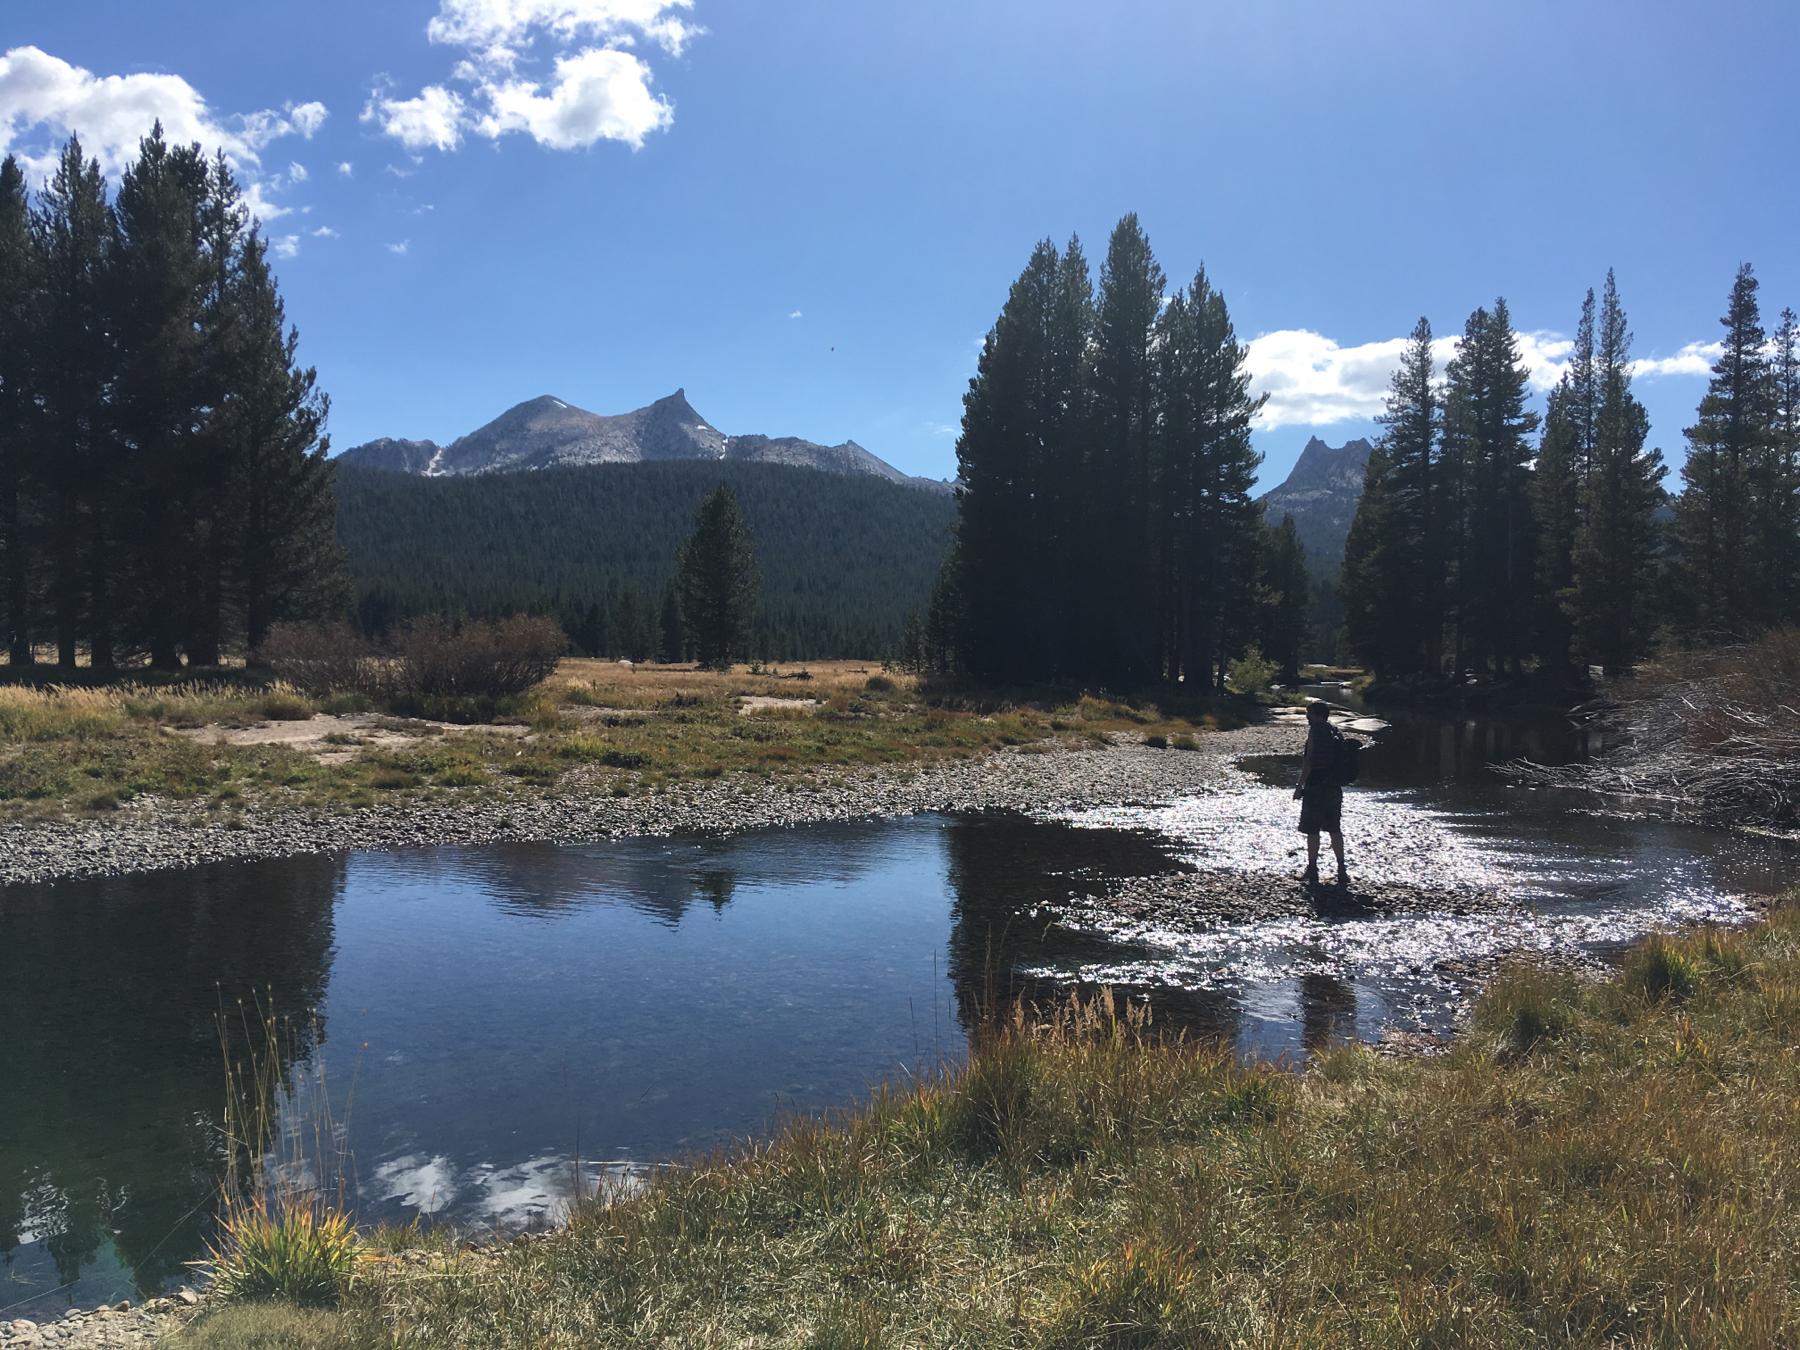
[(1321, 790)]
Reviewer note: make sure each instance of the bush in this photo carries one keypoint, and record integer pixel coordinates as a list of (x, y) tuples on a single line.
[(1252, 672), (434, 668), (304, 1253), (1660, 968)]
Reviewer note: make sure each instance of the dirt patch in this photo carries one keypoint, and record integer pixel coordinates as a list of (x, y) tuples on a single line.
[(754, 703), (333, 739)]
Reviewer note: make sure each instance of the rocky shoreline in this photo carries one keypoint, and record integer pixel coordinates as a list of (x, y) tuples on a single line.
[(119, 1326), (150, 835)]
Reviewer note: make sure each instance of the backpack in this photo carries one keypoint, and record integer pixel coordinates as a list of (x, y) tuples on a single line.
[(1340, 758)]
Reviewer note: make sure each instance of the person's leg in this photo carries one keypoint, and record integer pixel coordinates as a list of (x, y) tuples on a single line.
[(1337, 847), (1312, 855)]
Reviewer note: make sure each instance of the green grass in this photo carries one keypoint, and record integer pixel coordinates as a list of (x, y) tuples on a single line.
[(1596, 1163), (95, 748)]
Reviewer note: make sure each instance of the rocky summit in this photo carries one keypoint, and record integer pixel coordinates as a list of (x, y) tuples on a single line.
[(546, 432), (1321, 495)]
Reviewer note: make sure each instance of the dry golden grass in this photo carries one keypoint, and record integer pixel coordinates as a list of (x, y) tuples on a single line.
[(594, 726), (1611, 1164)]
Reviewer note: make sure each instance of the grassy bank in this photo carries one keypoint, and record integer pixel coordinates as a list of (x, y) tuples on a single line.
[(594, 726), (1594, 1163)]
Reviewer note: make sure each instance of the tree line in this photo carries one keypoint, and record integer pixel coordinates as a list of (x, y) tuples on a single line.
[(843, 558), (164, 488), (1489, 539), (1106, 532)]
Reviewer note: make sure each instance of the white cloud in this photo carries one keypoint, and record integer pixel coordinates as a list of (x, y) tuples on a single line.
[(400, 248), (44, 99), (432, 121), (307, 118), (257, 203), (497, 33), (347, 169), (325, 232), (598, 94), (596, 90), (1694, 358), (795, 314), (285, 245), (1311, 380), (296, 173)]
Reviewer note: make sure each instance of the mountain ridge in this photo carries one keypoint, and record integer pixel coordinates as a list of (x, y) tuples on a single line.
[(549, 432), (1321, 493)]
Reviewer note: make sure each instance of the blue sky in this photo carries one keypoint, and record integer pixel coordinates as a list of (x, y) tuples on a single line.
[(807, 212)]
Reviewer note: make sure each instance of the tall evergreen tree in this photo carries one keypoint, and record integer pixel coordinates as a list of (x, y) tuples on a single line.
[(283, 558), (1391, 580), (1785, 515), (156, 286), (1557, 489), (20, 285), (1124, 584), (76, 464), (1204, 523), (1283, 598), (1003, 468), (1719, 587), (674, 628), (1614, 558), (717, 580), (1486, 425)]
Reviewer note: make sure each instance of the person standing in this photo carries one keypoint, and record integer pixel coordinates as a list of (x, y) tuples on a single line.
[(1321, 791)]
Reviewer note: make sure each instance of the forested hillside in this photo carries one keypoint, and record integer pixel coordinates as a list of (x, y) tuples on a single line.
[(843, 559)]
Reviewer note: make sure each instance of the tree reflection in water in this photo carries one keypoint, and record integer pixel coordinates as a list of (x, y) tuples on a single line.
[(127, 1029)]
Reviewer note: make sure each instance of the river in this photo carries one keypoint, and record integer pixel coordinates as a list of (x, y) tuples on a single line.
[(483, 1019)]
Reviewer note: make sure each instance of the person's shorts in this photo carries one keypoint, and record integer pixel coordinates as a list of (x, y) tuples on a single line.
[(1321, 810)]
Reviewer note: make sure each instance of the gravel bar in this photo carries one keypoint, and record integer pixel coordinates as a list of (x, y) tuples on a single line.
[(151, 835)]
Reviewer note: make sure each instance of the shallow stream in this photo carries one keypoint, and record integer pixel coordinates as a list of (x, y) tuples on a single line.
[(491, 1022)]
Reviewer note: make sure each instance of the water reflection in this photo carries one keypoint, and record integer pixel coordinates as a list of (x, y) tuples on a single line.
[(110, 994)]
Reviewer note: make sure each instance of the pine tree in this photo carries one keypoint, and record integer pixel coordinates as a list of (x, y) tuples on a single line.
[(1615, 551), (284, 559), (1123, 591), (1204, 523), (1393, 600), (1557, 489), (1069, 557), (76, 464), (156, 282), (1718, 584), (19, 287), (716, 577), (1785, 556), (1486, 424), (674, 630), (1283, 597), (1002, 467)]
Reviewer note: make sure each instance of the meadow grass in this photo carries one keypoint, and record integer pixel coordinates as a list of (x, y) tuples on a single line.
[(1595, 1163), (593, 726)]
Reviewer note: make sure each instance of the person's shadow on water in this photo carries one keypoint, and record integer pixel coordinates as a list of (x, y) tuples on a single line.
[(1331, 901)]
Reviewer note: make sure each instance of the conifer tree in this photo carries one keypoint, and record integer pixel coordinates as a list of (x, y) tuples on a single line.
[(19, 287), (1719, 587), (1614, 558), (1124, 594), (717, 580), (1557, 489), (1785, 518), (1486, 424), (1204, 523), (1003, 467), (1391, 580), (284, 560), (76, 465), (674, 630), (156, 283), (1283, 597)]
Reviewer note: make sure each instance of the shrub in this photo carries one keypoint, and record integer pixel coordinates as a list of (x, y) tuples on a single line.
[(1185, 741), (1157, 742), (458, 672), (1660, 968), (879, 684), (1252, 672), (304, 1253), (284, 705)]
